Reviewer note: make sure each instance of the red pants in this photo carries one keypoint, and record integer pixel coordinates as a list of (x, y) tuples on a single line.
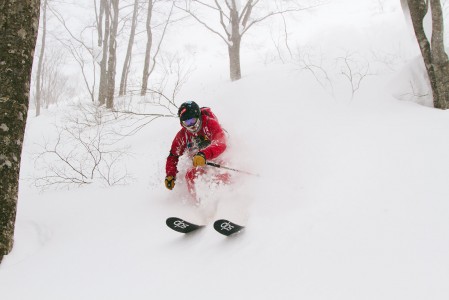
[(193, 173)]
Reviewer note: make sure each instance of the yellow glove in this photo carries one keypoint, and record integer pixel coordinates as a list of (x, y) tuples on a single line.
[(170, 182), (199, 160)]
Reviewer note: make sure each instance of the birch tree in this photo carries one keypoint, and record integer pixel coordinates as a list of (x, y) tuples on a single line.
[(433, 52), (18, 30)]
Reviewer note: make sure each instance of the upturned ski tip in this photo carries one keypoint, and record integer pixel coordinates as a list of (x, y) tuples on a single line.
[(227, 227), (182, 226)]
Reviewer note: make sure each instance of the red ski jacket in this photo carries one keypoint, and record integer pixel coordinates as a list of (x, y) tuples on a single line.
[(210, 140)]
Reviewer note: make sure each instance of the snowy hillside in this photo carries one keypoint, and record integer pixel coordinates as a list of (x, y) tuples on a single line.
[(352, 201)]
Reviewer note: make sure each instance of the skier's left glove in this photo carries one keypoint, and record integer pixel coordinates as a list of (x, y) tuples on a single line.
[(170, 182), (199, 160)]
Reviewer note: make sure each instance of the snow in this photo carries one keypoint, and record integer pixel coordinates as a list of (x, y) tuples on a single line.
[(351, 202)]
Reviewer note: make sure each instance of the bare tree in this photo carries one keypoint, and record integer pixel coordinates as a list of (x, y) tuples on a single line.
[(147, 68), (81, 52), (112, 59), (146, 65), (235, 19), (105, 7), (55, 84), (50, 83), (354, 70), (314, 61), (41, 59), (99, 20), (18, 31), (162, 100), (433, 53), (127, 63), (93, 155)]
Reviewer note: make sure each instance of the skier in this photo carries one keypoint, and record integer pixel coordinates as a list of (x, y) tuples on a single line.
[(201, 138)]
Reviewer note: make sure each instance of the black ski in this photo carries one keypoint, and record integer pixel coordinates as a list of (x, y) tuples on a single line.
[(181, 225), (227, 227)]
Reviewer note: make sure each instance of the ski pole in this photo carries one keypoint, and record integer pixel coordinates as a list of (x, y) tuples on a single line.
[(227, 168)]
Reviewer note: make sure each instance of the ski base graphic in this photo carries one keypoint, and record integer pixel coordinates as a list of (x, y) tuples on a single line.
[(181, 225), (227, 227)]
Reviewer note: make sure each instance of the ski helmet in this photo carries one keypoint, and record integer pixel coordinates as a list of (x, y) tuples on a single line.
[(189, 114)]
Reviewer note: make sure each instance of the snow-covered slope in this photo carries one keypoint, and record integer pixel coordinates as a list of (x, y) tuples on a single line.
[(351, 203)]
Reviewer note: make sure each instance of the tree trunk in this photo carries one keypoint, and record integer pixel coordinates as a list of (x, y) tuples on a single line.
[(102, 91), (434, 56), (112, 61), (18, 30), (235, 41), (100, 23), (439, 57), (39, 75), (234, 60), (127, 63), (146, 65)]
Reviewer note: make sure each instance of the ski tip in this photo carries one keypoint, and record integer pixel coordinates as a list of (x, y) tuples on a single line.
[(181, 225), (171, 220), (227, 227)]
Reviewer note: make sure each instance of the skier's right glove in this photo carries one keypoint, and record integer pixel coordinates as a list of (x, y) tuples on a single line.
[(170, 182)]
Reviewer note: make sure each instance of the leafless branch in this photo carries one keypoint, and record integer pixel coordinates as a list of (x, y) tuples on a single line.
[(82, 153), (63, 23), (275, 13), (161, 40), (222, 21), (286, 36), (203, 23), (207, 5), (315, 66), (353, 71), (243, 13), (246, 13), (78, 57)]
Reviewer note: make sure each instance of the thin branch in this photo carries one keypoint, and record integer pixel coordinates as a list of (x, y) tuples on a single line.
[(207, 5), (286, 35), (222, 21), (247, 12), (62, 21), (243, 13), (221, 10), (204, 24), (275, 13), (161, 40), (128, 112)]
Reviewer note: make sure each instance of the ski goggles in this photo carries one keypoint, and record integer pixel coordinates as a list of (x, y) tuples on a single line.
[(190, 122)]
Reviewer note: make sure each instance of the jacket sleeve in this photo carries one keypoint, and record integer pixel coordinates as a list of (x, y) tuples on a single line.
[(177, 149), (217, 138)]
